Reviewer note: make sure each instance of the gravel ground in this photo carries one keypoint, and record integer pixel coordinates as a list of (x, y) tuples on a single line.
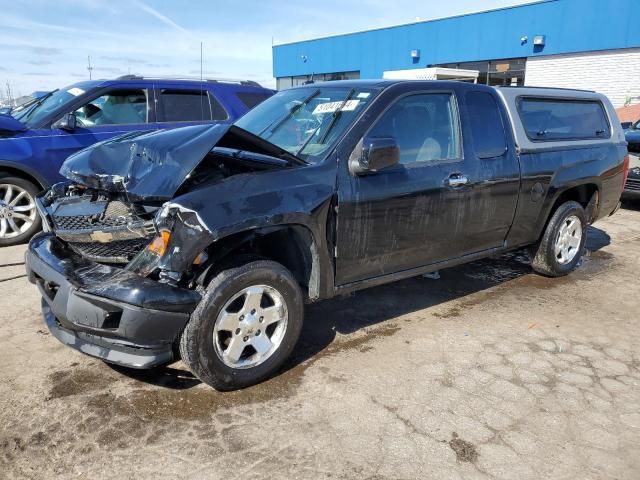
[(488, 372)]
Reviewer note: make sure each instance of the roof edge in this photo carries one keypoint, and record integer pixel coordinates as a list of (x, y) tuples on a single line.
[(400, 25)]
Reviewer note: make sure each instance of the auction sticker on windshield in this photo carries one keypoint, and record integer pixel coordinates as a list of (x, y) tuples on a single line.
[(331, 107), (75, 91)]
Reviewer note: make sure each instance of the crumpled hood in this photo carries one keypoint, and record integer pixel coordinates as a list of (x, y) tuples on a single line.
[(145, 165), (10, 124)]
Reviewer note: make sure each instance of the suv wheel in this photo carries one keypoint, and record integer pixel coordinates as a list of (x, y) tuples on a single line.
[(245, 327), (562, 244), (19, 219)]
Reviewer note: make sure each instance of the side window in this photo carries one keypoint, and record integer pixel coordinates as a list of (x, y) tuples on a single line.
[(118, 107), (425, 126), (548, 119), (185, 105), (251, 99), (486, 124), (217, 110)]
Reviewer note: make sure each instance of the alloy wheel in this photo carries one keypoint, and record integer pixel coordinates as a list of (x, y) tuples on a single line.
[(17, 210), (569, 239), (250, 327)]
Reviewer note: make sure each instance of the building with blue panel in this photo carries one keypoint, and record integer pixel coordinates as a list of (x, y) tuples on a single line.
[(590, 44)]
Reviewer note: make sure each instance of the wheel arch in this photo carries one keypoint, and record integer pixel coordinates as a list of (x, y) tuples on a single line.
[(586, 194), (293, 245), (23, 172)]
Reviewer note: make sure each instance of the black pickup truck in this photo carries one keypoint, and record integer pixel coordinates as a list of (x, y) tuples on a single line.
[(205, 242)]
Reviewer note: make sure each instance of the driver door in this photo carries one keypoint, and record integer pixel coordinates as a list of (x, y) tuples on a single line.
[(403, 217), (109, 113)]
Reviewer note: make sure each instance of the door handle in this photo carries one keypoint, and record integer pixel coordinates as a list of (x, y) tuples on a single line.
[(457, 180)]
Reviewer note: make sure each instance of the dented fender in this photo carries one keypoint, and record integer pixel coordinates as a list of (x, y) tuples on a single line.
[(299, 196)]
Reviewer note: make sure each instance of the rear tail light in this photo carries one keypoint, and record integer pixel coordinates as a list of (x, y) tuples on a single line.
[(625, 170)]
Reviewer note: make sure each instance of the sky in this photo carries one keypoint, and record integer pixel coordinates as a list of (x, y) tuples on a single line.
[(44, 44)]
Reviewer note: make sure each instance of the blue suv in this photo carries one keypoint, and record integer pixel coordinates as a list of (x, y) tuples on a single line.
[(35, 140)]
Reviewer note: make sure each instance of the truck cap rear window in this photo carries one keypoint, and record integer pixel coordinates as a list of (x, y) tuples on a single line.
[(552, 119)]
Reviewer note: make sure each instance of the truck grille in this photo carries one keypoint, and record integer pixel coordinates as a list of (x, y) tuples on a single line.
[(121, 251), (85, 222), (115, 214), (633, 184)]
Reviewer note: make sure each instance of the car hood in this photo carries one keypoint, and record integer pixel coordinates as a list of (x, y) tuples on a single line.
[(146, 165), (10, 124)]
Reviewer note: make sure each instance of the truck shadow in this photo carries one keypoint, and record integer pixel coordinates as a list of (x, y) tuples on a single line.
[(371, 307)]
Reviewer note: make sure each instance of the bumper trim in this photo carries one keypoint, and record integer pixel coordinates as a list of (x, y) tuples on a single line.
[(55, 259), (105, 349)]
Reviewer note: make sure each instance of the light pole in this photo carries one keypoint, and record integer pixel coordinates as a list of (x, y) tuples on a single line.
[(89, 67)]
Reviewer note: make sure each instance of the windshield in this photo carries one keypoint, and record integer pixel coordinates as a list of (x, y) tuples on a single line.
[(306, 122), (32, 114)]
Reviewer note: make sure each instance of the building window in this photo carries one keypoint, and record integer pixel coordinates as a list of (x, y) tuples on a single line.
[(509, 71), (283, 83)]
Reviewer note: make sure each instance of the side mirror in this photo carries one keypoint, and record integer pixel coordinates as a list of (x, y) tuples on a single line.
[(374, 154), (68, 122)]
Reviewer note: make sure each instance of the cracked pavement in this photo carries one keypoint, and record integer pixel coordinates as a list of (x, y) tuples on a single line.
[(490, 372)]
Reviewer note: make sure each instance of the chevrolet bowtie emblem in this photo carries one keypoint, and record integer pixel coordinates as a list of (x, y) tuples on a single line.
[(101, 237)]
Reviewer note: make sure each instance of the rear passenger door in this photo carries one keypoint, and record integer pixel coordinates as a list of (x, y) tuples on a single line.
[(182, 106), (491, 174)]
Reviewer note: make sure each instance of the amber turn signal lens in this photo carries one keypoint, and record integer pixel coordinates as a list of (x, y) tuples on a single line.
[(201, 258), (160, 243)]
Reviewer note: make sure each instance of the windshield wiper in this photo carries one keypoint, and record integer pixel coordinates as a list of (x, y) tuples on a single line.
[(334, 119), (34, 106), (24, 106), (275, 125)]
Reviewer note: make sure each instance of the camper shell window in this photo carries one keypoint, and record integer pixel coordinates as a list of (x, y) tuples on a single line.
[(553, 119)]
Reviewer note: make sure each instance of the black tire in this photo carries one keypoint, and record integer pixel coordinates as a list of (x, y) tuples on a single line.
[(544, 259), (32, 190), (197, 341)]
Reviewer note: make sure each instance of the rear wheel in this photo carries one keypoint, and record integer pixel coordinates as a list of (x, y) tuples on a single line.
[(19, 219), (245, 326), (562, 244)]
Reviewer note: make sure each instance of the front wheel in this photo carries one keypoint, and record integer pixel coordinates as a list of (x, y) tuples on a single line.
[(245, 327), (19, 219), (562, 244)]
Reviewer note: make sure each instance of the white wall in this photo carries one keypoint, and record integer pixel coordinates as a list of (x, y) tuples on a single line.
[(616, 73)]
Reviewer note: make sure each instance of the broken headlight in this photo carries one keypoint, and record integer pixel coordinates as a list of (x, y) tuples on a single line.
[(179, 244)]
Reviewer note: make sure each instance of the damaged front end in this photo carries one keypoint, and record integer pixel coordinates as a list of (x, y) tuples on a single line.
[(117, 262), (98, 225), (94, 298)]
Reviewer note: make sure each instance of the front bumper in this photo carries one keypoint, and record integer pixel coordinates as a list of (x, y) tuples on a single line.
[(107, 312)]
